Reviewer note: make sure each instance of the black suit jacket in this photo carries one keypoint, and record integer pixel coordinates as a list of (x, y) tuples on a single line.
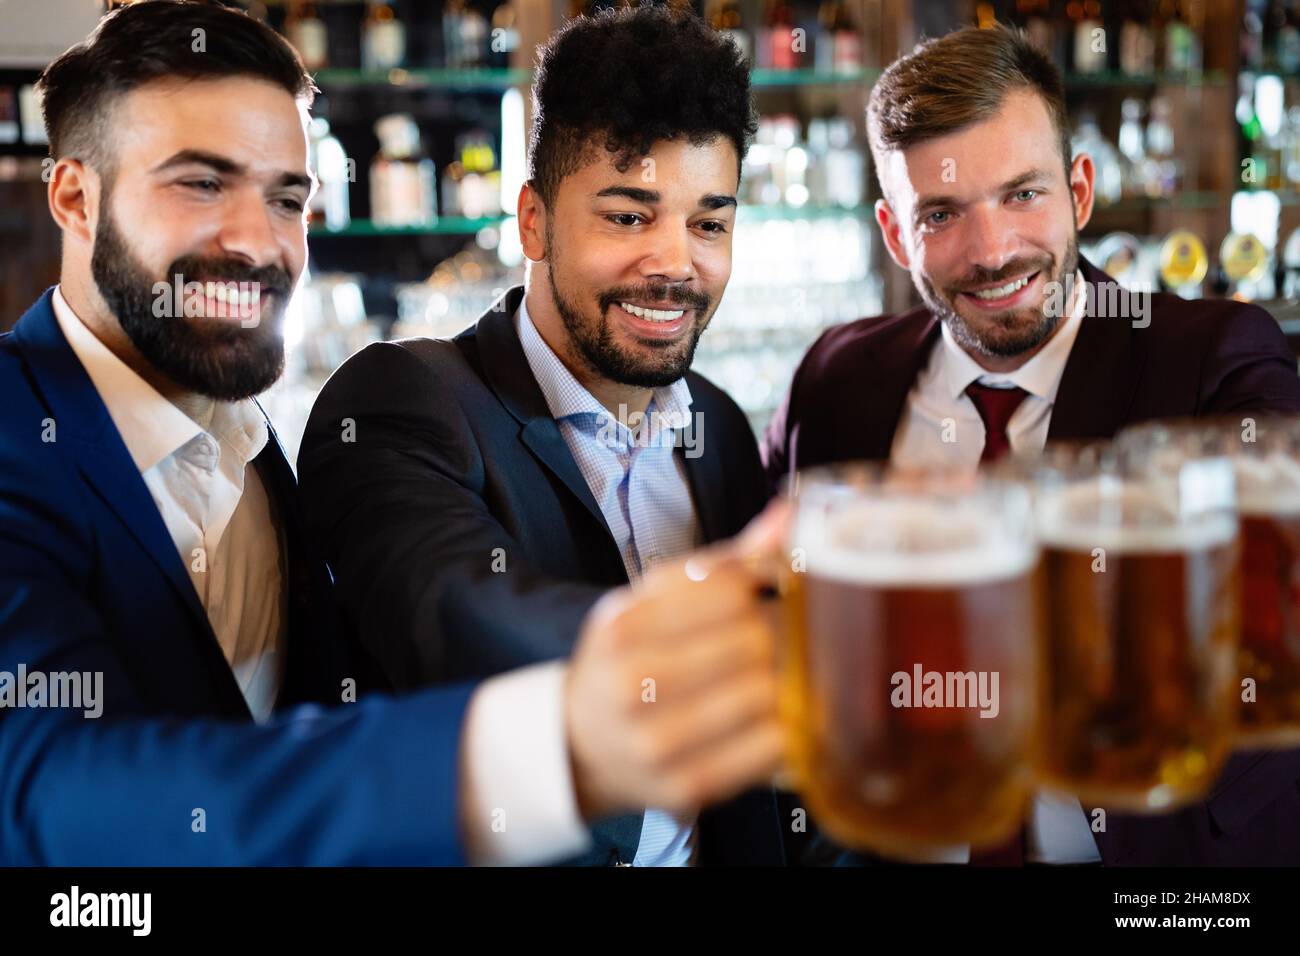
[(1195, 358), (464, 539)]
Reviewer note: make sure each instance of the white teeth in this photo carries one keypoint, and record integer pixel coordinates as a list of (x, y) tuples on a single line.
[(231, 294), (654, 315), (1002, 291)]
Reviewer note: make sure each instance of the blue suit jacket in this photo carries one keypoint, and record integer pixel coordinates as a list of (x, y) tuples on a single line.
[(91, 581)]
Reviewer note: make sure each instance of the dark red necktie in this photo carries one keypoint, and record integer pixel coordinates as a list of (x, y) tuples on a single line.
[(996, 406)]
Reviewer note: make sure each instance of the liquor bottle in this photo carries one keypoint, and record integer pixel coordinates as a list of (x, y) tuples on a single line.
[(845, 166), (330, 163), (1165, 177), (383, 38), (452, 11), (1182, 46), (8, 115), (1089, 36), (473, 38), (1033, 16), (727, 20), (1253, 171), (819, 145), (1291, 150), (471, 183), (781, 26), (1270, 99), (1288, 51), (306, 33), (504, 39), (1252, 40), (1274, 19), (847, 41), (401, 176), (1109, 182), (763, 39), (1132, 147), (1137, 45)]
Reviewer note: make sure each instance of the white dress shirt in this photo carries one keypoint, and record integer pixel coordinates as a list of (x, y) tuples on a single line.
[(517, 790), (214, 506), (940, 428)]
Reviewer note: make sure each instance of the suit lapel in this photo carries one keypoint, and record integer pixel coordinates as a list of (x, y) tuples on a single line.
[(101, 456), (507, 371), (706, 480), (83, 422), (1101, 375), (896, 376), (862, 417)]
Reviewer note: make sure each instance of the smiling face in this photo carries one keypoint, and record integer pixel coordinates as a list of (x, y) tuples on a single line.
[(636, 260), (985, 220), (215, 194)]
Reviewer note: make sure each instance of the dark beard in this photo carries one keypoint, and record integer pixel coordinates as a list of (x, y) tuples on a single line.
[(595, 341), (213, 357), (1012, 343)]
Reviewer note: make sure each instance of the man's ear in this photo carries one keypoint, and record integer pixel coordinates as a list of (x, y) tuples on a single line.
[(891, 231), (1082, 176), (73, 194), (532, 222)]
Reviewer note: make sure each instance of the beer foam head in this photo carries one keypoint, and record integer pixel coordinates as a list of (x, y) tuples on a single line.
[(1126, 516), (914, 542), (1268, 484)]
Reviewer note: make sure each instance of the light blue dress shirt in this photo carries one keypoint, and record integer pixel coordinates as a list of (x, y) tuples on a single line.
[(642, 489)]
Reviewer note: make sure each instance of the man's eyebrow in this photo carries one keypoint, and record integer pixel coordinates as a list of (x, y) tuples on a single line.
[(227, 166), (1028, 176), (187, 157), (295, 179), (646, 196), (649, 197)]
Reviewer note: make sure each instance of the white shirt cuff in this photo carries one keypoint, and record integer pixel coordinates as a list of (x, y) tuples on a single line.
[(518, 805)]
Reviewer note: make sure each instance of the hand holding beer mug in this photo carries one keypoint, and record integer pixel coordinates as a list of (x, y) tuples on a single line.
[(910, 683), (1265, 453), (1140, 562)]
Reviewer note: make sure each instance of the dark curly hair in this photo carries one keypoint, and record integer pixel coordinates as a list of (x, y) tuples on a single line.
[(626, 78), (143, 42)]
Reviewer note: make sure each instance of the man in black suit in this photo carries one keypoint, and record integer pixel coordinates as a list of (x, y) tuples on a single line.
[(475, 497), (1020, 341)]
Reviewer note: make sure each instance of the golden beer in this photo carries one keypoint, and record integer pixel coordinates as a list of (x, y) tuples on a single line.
[(911, 683), (1269, 712), (1143, 603), (1265, 455)]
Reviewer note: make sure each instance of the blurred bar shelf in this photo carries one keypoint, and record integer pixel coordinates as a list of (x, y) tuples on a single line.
[(445, 226), (1160, 78), (502, 79), (759, 213), (461, 226), (1205, 199), (451, 79), (784, 78)]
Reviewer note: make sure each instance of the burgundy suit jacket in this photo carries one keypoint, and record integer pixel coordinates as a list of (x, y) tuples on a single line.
[(1194, 358)]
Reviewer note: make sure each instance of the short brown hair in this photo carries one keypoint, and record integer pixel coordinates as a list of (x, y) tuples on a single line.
[(158, 40), (949, 83)]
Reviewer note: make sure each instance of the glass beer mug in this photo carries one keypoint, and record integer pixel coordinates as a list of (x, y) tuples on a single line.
[(1265, 454), (910, 681), (1142, 596)]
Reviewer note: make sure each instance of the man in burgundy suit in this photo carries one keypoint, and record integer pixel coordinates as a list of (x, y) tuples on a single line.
[(1021, 341)]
